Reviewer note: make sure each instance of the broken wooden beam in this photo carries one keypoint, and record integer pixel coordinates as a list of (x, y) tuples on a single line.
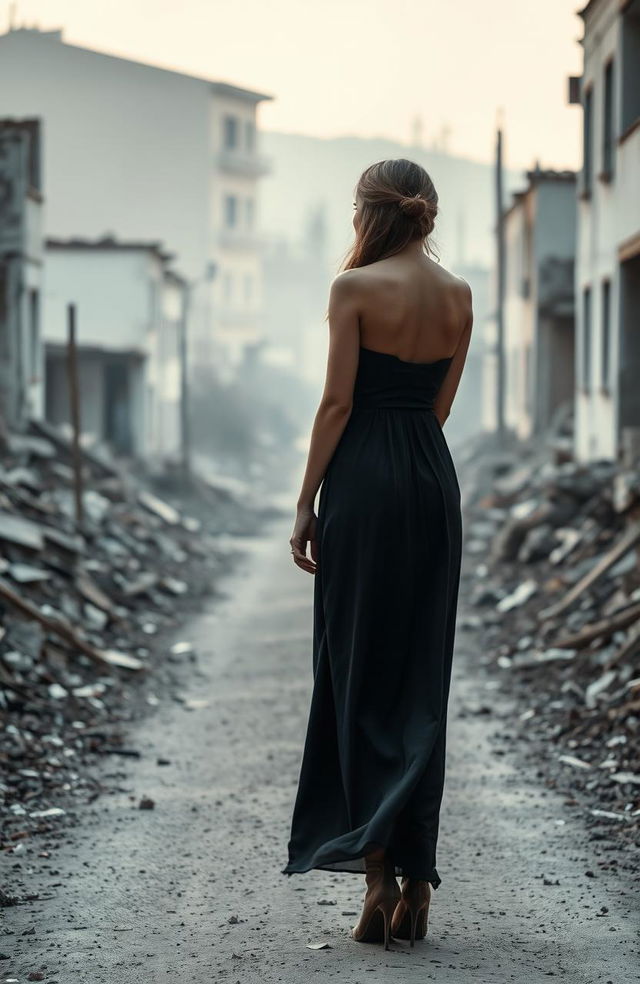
[(627, 541), (64, 631), (602, 629)]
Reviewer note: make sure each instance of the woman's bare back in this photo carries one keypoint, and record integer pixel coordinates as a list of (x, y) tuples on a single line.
[(412, 308)]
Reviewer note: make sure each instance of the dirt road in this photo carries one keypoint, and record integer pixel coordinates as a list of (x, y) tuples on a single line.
[(191, 890)]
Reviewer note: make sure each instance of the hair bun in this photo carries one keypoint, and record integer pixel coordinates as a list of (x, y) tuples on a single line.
[(415, 206)]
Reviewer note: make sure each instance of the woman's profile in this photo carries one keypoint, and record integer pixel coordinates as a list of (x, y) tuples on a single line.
[(385, 549)]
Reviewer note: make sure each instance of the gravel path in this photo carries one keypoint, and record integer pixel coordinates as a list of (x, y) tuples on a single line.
[(191, 890)]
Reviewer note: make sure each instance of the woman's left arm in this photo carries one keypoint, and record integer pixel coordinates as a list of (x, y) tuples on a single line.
[(333, 412), (449, 388)]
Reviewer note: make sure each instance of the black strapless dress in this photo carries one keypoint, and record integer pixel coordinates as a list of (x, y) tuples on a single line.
[(385, 596)]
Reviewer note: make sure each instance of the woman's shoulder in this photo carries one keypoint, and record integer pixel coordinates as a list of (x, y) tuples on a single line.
[(458, 291), (458, 284), (465, 283), (346, 282), (344, 277), (452, 279), (380, 273), (468, 293)]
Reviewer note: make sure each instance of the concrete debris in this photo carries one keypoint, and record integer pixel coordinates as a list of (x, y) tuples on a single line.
[(86, 613), (19, 531), (518, 596), (572, 760), (194, 703), (26, 574), (159, 508), (554, 580)]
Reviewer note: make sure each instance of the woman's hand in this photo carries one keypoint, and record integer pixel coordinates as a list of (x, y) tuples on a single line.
[(303, 531)]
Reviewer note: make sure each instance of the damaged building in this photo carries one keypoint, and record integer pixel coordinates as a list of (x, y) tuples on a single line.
[(21, 255), (129, 311), (539, 300), (177, 158), (608, 246)]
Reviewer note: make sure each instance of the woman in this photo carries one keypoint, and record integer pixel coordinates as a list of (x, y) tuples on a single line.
[(385, 549)]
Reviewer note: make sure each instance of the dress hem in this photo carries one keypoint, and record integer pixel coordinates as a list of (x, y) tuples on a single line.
[(433, 878)]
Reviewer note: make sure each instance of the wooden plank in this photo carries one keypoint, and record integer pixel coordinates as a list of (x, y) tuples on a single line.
[(626, 543), (74, 407), (64, 631), (602, 629)]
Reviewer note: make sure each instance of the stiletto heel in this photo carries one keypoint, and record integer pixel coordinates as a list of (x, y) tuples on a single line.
[(414, 920), (411, 914), (383, 895), (388, 907)]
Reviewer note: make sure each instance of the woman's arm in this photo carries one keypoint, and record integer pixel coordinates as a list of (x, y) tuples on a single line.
[(449, 388), (334, 409)]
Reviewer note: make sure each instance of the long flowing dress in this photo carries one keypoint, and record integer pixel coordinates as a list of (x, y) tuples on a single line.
[(389, 541)]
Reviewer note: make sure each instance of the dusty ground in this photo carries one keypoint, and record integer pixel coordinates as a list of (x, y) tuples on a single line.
[(192, 891)]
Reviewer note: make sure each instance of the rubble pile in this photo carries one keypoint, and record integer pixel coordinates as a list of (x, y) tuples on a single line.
[(83, 613), (553, 578)]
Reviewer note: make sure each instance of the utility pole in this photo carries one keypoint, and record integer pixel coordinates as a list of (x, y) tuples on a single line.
[(500, 285), (74, 406), (185, 423)]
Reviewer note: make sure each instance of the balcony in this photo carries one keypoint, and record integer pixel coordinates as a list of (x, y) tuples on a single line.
[(627, 213), (240, 162)]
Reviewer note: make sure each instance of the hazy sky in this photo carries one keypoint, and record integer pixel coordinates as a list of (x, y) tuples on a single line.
[(368, 67)]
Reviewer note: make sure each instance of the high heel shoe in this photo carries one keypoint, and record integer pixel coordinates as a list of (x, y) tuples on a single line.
[(383, 895), (411, 914)]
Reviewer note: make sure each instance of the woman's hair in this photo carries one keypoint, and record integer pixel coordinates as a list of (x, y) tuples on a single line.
[(399, 204)]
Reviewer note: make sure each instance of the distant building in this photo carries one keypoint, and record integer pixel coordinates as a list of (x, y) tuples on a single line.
[(539, 230), (21, 375), (608, 246), (129, 307), (297, 279), (143, 153)]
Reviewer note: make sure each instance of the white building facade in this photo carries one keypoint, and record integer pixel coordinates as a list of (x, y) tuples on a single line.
[(539, 228), (144, 153), (608, 237), (129, 306)]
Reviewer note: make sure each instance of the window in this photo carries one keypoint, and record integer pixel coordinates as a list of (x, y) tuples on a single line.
[(608, 153), (4, 310), (587, 161), (250, 135), (606, 334), (250, 212), (230, 211), (528, 379), (630, 81), (248, 286), (34, 333), (586, 338), (230, 132)]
